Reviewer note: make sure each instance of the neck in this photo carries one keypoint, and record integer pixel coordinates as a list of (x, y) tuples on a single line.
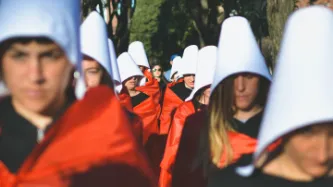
[(39, 119), (158, 79), (133, 92), (247, 114), (188, 87), (284, 167)]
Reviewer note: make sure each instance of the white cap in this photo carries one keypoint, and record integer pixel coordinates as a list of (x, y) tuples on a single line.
[(137, 51), (127, 67), (57, 20), (189, 60), (301, 92), (205, 68), (114, 64), (94, 38), (176, 67), (238, 51)]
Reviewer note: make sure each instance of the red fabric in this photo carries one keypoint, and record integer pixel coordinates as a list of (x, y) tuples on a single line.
[(241, 144), (148, 110), (170, 102), (182, 112), (182, 172), (151, 88), (92, 144), (125, 101)]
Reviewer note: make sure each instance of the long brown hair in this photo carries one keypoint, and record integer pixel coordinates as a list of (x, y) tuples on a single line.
[(221, 112), (214, 138)]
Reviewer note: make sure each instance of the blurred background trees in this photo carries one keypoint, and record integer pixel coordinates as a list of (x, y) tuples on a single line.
[(168, 26)]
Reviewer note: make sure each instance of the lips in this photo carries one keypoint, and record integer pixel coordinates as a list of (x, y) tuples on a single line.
[(34, 93)]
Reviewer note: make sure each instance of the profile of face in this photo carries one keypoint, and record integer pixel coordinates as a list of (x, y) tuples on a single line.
[(131, 83), (92, 72), (206, 92), (311, 149), (37, 74), (157, 71), (189, 80), (246, 88)]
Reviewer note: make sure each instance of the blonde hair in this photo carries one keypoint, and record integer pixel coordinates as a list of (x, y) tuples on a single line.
[(220, 114)]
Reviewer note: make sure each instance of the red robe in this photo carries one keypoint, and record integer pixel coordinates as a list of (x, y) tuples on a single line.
[(151, 87), (135, 120), (92, 144), (170, 102), (171, 148), (182, 172)]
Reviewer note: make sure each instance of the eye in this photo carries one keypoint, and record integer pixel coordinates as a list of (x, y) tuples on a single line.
[(18, 55), (52, 55), (93, 71)]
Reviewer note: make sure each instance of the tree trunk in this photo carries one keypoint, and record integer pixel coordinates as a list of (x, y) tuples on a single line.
[(277, 14)]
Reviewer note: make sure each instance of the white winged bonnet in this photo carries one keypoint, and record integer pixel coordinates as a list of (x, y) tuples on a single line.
[(301, 94), (94, 40), (114, 64), (137, 51), (205, 68), (176, 68), (57, 20), (127, 67), (238, 52), (189, 60)]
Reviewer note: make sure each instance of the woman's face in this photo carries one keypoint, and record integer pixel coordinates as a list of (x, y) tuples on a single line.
[(37, 74), (92, 72), (131, 83), (157, 71), (206, 92), (311, 149), (189, 81), (246, 88)]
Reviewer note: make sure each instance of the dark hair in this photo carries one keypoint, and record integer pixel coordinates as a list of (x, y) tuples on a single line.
[(213, 138), (106, 78), (154, 63), (199, 93)]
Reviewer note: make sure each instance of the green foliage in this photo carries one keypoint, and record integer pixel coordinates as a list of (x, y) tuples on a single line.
[(164, 26)]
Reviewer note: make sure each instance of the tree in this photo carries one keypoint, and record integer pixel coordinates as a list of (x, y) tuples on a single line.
[(168, 26), (117, 14), (277, 14)]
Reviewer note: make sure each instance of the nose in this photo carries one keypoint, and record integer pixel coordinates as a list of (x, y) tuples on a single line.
[(36, 71), (239, 83)]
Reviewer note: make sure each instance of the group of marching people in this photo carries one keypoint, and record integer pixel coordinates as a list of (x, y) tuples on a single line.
[(79, 115)]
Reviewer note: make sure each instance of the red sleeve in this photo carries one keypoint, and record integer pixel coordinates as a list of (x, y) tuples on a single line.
[(125, 101), (86, 148), (170, 102), (182, 112), (151, 88), (148, 111)]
